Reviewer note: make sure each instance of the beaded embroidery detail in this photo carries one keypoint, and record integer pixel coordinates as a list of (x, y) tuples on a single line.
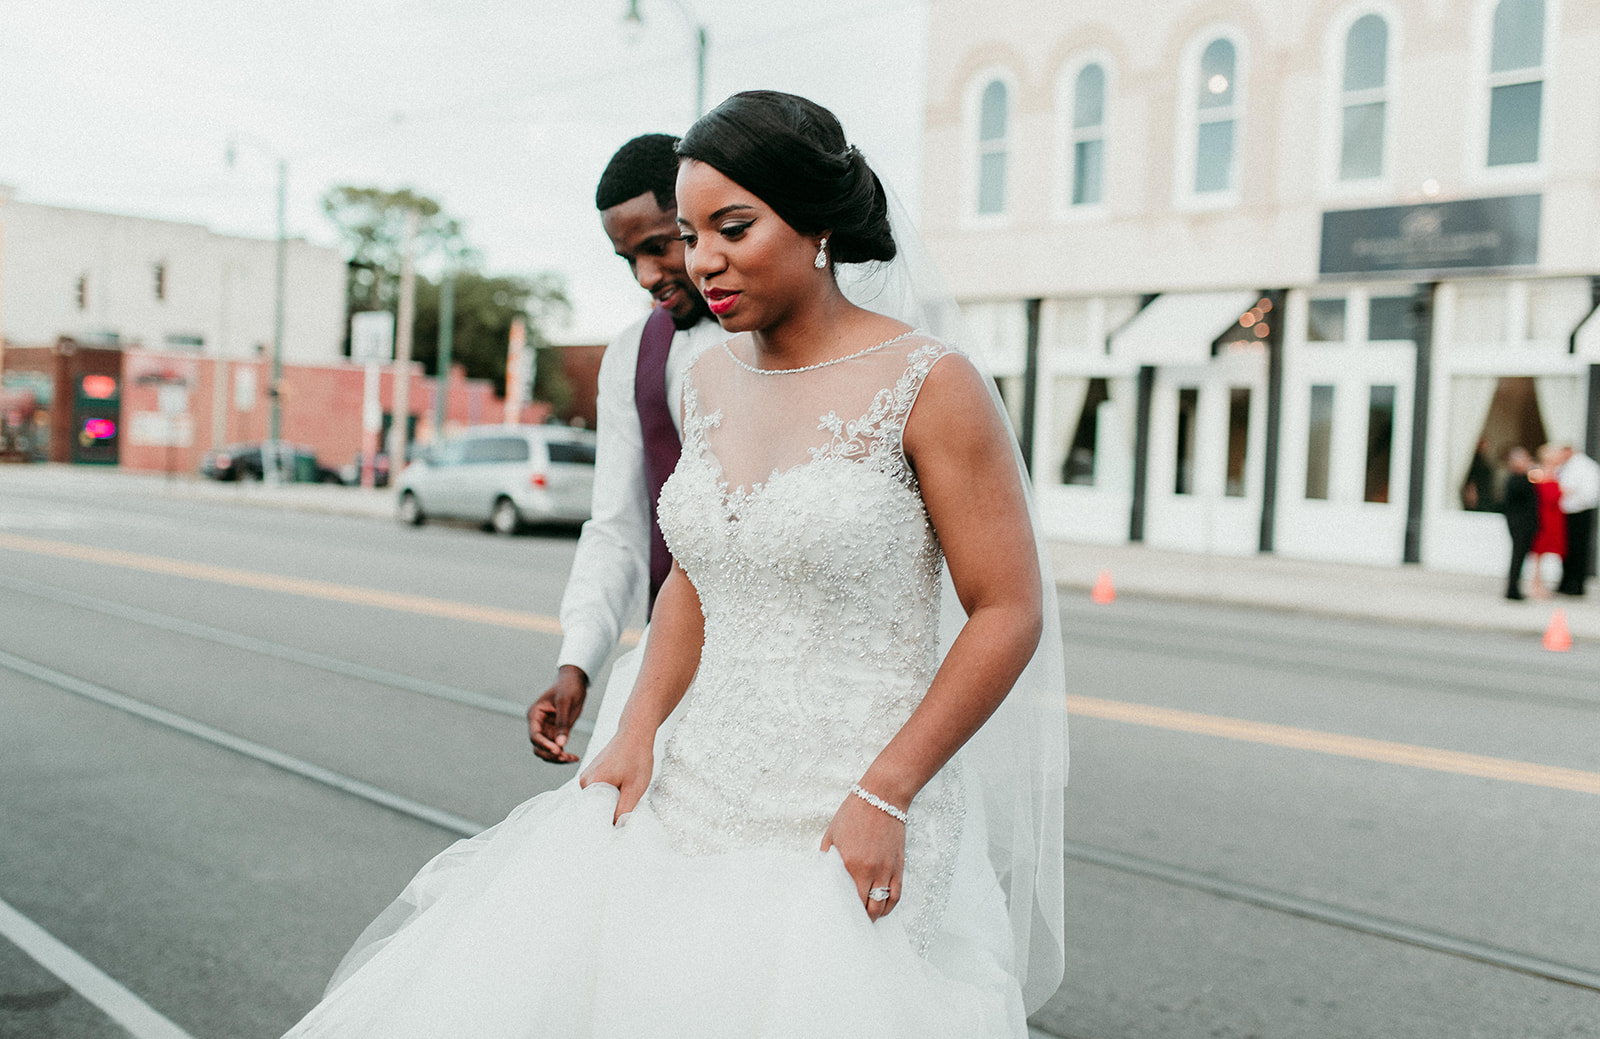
[(820, 587)]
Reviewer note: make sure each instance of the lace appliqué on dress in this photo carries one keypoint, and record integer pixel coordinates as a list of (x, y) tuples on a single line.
[(820, 587)]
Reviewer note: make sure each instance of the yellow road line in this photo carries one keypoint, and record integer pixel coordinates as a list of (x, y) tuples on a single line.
[(1266, 733), (310, 588), (1504, 769)]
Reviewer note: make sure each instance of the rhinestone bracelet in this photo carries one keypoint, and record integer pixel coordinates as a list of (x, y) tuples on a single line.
[(877, 802)]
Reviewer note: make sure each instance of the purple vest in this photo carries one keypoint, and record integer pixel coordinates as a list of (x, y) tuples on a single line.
[(661, 442)]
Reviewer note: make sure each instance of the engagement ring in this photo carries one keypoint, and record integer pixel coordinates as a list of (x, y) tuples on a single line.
[(878, 894)]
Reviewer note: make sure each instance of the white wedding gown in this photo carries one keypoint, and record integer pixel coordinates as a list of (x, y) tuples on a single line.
[(710, 911)]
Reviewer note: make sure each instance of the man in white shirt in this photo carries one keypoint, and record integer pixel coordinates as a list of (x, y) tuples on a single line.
[(1579, 478), (611, 571)]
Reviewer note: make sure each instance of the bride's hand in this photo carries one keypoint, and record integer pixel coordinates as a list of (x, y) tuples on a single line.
[(625, 763), (873, 847)]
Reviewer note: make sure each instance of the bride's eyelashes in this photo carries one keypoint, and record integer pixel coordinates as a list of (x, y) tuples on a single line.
[(732, 232)]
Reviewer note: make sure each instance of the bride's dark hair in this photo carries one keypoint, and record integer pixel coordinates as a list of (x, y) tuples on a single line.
[(793, 155)]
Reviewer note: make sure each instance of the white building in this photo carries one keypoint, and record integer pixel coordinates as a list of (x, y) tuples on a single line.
[(120, 280), (1261, 274)]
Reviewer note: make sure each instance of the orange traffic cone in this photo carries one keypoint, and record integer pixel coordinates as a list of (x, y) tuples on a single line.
[(1104, 591), (1557, 638)]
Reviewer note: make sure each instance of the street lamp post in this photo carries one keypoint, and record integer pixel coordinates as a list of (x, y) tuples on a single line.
[(270, 463), (635, 20)]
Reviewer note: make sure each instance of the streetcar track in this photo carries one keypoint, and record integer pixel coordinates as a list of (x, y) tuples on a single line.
[(238, 744), (1261, 897), (275, 650)]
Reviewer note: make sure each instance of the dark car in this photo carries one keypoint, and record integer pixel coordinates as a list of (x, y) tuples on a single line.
[(294, 463), (350, 474)]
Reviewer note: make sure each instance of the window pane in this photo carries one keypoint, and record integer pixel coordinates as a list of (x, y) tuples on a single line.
[(575, 452), (1514, 123), (1216, 75), (1089, 98), (1366, 52), (1188, 404), (1086, 161), (1326, 324), (1389, 318), (1078, 467), (1362, 155), (992, 112), (1213, 161), (1319, 442), (1380, 440), (992, 182), (1518, 35), (1238, 440)]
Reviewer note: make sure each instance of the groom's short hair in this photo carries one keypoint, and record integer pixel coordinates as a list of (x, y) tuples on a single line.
[(646, 163)]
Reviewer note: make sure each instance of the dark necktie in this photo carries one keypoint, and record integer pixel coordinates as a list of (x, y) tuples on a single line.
[(661, 443)]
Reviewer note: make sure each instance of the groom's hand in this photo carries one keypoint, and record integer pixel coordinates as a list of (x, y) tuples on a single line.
[(551, 717)]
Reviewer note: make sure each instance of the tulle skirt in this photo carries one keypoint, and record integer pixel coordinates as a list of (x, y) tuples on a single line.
[(557, 923)]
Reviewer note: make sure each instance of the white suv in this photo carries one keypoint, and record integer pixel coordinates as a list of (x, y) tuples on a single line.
[(503, 476)]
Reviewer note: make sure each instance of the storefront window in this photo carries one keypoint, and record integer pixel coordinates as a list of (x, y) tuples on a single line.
[(1078, 465), (1389, 318), (1238, 440), (1380, 443), (1188, 405), (1319, 442), (1326, 321)]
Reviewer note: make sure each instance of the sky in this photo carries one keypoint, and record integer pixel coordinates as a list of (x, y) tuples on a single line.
[(503, 111)]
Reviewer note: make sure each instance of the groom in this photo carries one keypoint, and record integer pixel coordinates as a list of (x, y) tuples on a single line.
[(621, 559)]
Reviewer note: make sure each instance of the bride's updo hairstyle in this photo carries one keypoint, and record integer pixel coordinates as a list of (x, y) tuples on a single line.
[(792, 154)]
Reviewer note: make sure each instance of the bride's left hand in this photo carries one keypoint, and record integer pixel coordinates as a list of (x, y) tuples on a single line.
[(873, 847)]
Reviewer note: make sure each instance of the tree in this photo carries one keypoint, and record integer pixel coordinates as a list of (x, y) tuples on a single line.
[(371, 222), (485, 307)]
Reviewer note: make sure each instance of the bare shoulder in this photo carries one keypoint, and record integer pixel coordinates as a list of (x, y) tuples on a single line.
[(954, 397)]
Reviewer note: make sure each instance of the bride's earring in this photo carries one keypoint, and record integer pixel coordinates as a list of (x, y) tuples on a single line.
[(822, 256)]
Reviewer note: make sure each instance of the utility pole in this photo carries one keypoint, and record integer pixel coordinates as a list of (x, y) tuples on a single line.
[(447, 340), (400, 398), (272, 468)]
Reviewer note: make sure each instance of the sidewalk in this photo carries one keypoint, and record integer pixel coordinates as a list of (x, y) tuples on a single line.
[(1407, 594)]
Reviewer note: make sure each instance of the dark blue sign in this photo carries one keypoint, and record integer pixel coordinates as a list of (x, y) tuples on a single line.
[(1470, 234)]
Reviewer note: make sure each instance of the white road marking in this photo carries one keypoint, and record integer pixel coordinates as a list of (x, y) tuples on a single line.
[(122, 1006)]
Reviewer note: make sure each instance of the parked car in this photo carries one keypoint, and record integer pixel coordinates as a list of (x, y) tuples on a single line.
[(350, 473), (295, 463), (503, 476)]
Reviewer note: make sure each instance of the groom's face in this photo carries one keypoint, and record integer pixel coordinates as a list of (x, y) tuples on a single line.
[(646, 236)]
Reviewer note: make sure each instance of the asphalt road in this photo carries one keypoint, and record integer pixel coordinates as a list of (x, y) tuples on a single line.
[(1278, 823)]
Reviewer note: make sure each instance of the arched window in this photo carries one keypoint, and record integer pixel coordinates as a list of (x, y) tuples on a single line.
[(1364, 98), (993, 116), (1516, 82), (1088, 135), (1217, 104)]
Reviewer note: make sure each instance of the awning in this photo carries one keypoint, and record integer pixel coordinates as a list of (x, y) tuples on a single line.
[(1179, 327)]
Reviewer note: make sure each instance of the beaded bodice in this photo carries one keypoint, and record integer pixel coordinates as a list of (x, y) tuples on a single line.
[(820, 585)]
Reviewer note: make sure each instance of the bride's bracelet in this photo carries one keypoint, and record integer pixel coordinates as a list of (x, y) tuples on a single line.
[(877, 802)]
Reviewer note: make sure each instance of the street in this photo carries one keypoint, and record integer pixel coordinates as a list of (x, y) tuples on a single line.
[(231, 734)]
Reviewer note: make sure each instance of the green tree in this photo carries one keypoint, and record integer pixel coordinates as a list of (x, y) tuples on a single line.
[(372, 224), (485, 307)]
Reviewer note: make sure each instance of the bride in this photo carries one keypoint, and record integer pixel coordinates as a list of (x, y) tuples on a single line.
[(852, 829)]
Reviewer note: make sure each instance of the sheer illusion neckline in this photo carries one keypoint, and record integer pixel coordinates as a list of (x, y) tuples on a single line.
[(747, 366)]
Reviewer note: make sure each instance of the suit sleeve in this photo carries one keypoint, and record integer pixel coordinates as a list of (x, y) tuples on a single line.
[(611, 566)]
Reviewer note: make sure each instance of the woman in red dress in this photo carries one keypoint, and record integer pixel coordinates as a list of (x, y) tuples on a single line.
[(1551, 537)]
